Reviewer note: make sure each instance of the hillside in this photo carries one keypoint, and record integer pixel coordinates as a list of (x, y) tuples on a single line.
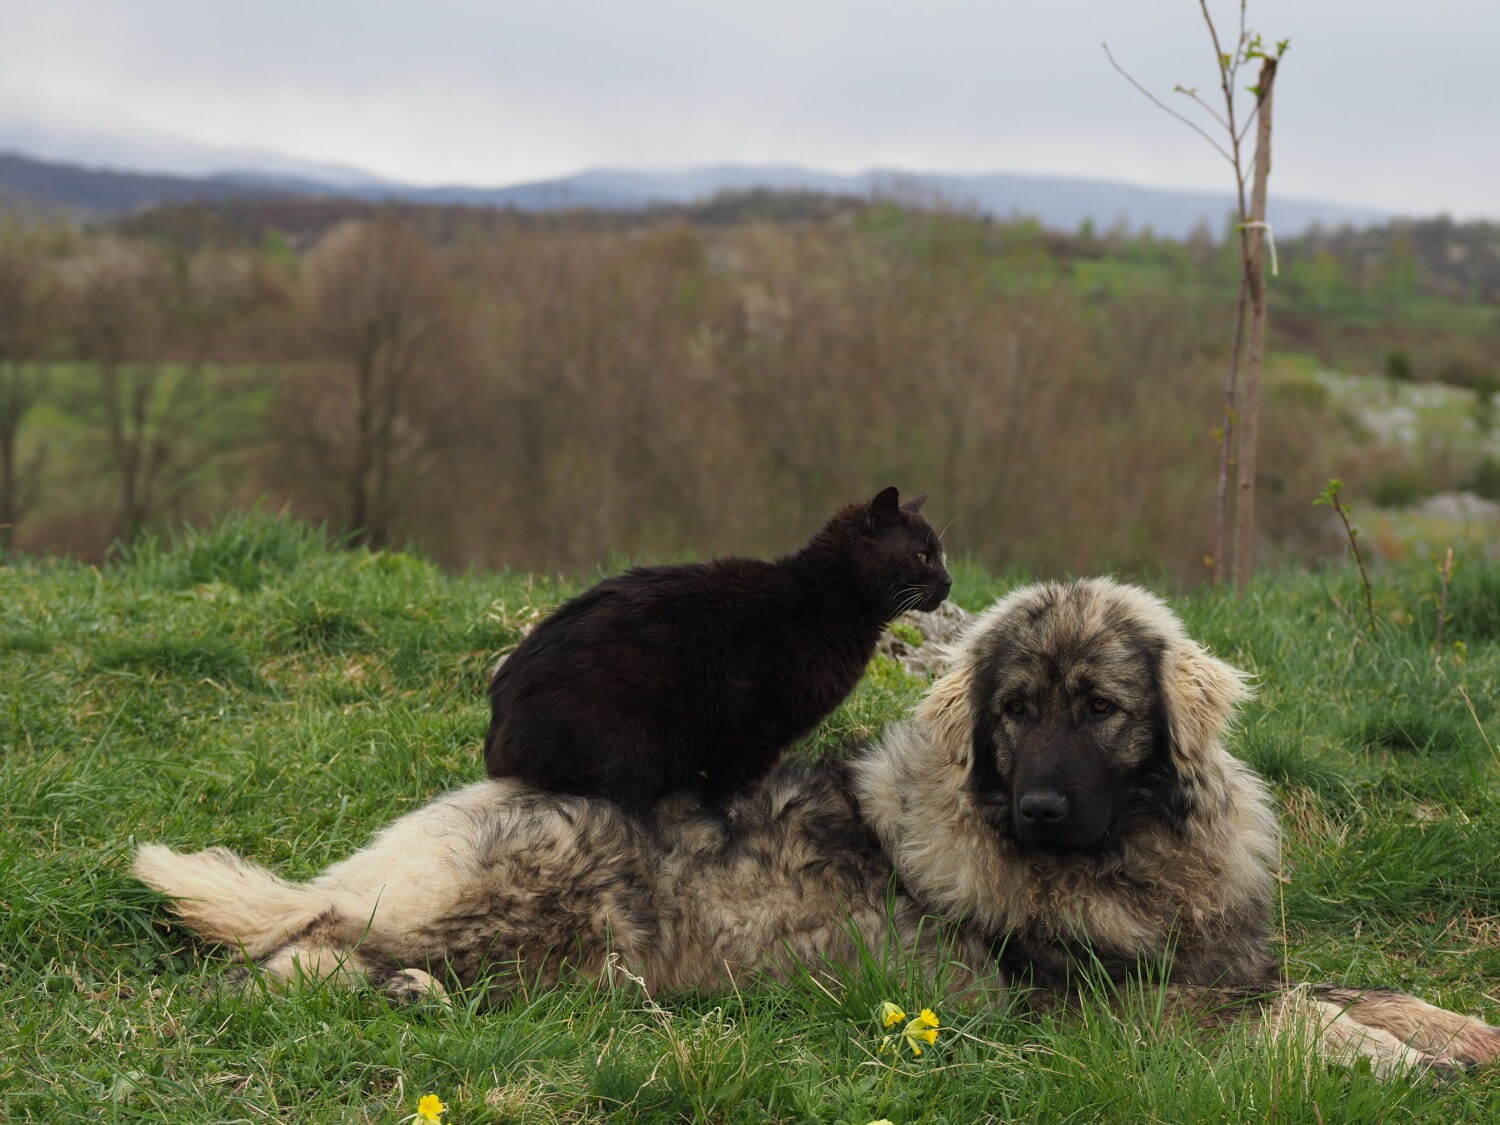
[(44, 185), (1057, 202), (127, 148), (592, 383), (251, 687)]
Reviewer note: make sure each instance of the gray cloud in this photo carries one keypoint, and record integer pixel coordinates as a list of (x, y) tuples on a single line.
[(1380, 102)]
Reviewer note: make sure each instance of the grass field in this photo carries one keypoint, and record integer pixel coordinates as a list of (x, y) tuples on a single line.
[(247, 686)]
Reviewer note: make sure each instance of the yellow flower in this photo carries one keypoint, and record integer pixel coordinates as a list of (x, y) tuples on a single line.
[(431, 1109), (882, 1121), (923, 1029), (890, 1015)]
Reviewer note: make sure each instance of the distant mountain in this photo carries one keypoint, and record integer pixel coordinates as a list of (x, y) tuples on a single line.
[(43, 186), (1056, 201), (155, 153)]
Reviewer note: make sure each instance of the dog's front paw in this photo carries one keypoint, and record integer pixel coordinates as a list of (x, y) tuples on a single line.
[(412, 986)]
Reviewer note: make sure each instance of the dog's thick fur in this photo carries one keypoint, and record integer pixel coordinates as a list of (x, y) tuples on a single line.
[(915, 840)]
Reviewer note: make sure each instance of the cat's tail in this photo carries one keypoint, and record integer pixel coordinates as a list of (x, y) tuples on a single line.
[(230, 900)]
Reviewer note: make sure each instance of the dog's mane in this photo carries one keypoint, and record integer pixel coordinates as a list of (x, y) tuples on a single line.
[(914, 789)]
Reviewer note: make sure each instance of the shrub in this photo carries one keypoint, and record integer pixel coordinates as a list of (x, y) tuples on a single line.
[(190, 657), (242, 550), (1486, 478), (1399, 487), (1485, 386), (1398, 366)]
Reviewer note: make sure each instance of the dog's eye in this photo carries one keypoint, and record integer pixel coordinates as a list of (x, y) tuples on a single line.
[(1016, 707), (922, 557), (1101, 706)]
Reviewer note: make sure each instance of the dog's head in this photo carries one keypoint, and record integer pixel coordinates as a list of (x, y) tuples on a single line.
[(1077, 737), (1087, 709)]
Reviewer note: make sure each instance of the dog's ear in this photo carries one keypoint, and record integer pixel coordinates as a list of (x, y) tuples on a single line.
[(1200, 693), (948, 709)]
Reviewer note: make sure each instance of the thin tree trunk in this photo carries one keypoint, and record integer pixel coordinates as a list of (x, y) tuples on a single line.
[(10, 507), (359, 470), (14, 402), (382, 452), (1255, 278), (1224, 552), (135, 503)]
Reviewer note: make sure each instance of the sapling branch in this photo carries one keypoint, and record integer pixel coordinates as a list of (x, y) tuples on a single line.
[(1188, 121), (1329, 497), (1445, 575)]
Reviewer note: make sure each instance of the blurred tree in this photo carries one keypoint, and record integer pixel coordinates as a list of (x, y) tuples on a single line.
[(1486, 386), (376, 302), (1319, 280), (24, 309), (1398, 365), (142, 326), (1201, 247), (1399, 268)]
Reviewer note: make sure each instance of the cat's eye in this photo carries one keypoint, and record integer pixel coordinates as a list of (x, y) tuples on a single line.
[(1101, 706), (922, 557), (1016, 707)]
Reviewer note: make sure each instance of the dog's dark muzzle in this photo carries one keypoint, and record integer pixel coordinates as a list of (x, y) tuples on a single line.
[(1045, 818), (1065, 791)]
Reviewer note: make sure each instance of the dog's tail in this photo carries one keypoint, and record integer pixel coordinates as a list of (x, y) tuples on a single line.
[(230, 900)]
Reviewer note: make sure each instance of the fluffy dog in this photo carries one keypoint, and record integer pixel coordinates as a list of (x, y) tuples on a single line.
[(1061, 803)]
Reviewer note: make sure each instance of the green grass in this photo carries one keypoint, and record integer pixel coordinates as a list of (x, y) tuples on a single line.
[(254, 687)]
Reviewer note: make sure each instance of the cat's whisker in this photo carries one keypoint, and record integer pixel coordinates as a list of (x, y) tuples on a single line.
[(909, 598)]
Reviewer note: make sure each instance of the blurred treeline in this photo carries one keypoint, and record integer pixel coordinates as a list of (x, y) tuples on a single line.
[(551, 393)]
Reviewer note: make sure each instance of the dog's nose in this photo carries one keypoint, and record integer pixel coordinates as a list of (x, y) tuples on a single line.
[(1044, 809)]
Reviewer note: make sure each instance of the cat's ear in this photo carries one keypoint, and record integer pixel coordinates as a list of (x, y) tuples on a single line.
[(915, 505), (884, 509)]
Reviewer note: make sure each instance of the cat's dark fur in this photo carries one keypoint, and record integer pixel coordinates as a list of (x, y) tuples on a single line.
[(697, 677)]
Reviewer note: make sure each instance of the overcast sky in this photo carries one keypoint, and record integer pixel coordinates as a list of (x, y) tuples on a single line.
[(1385, 102)]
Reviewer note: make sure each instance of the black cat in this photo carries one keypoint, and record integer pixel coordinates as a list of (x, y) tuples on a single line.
[(697, 677)]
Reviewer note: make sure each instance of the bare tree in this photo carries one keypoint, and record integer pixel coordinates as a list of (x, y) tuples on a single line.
[(147, 388), (1239, 431), (23, 330), (1252, 255), (376, 301)]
